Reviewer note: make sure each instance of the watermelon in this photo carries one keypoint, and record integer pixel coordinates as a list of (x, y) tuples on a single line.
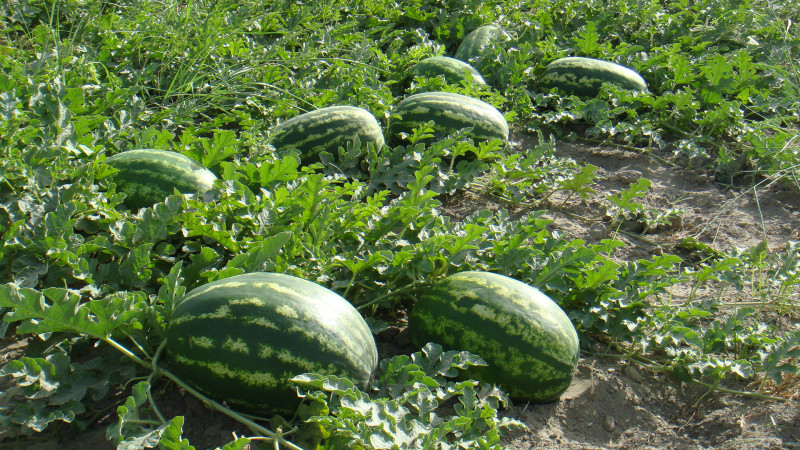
[(454, 70), (450, 112), (327, 129), (529, 343), (148, 176), (585, 76), (241, 339), (478, 41)]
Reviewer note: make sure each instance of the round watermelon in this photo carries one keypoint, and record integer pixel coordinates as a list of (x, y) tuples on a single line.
[(241, 339), (585, 76), (148, 176), (453, 70), (450, 112), (327, 129), (529, 343)]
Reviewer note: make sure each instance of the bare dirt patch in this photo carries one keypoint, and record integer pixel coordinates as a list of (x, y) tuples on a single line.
[(724, 218)]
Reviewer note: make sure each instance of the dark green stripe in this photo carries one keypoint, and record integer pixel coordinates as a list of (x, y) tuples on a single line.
[(278, 398)]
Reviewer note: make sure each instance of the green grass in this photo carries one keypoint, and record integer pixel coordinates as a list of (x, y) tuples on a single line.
[(82, 80)]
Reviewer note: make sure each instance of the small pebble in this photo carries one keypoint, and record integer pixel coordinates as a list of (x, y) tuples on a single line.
[(633, 374), (598, 231), (609, 424), (628, 176)]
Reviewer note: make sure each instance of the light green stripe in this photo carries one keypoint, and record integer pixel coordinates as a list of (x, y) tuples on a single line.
[(223, 311), (223, 371)]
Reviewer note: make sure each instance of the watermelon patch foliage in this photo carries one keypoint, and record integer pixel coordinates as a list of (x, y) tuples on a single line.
[(89, 285)]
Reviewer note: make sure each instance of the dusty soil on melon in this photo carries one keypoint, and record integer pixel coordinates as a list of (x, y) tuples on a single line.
[(611, 404)]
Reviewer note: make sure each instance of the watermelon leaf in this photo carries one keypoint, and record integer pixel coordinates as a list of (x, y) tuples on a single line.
[(406, 411), (57, 309), (136, 429), (53, 388)]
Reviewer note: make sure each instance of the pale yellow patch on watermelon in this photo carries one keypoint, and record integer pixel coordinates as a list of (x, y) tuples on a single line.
[(202, 342), (238, 345), (247, 301), (221, 312), (287, 311)]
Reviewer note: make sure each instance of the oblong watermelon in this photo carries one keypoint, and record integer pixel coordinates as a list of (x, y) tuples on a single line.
[(327, 129), (241, 339), (450, 112), (585, 76), (453, 70), (478, 41), (529, 343), (148, 176)]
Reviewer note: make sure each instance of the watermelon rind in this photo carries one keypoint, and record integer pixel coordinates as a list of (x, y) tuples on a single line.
[(450, 112), (148, 176), (453, 70), (585, 76), (327, 129), (241, 339), (527, 340)]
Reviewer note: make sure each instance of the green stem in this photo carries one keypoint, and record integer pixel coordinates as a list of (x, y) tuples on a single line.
[(397, 291), (350, 284), (229, 412), (126, 352), (144, 421), (757, 395), (137, 344), (154, 374), (644, 362), (219, 407), (656, 367)]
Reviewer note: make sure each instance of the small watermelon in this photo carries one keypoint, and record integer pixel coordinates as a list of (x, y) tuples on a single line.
[(585, 76), (148, 176), (453, 70), (327, 129), (475, 45)]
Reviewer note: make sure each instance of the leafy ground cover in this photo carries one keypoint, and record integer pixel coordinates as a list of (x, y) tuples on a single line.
[(649, 276)]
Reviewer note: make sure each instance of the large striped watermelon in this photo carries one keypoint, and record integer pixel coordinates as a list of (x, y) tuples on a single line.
[(453, 70), (450, 112), (327, 129), (241, 339), (478, 41), (528, 341), (148, 176), (585, 76)]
